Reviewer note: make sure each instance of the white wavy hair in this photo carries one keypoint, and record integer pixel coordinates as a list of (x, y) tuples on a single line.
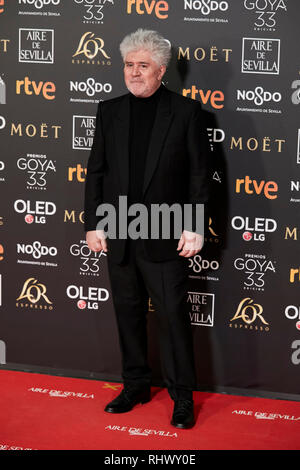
[(152, 41)]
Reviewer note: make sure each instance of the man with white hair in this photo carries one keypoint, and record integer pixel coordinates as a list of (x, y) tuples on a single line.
[(151, 146)]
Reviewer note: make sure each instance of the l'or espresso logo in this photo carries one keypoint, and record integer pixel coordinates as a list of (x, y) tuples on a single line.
[(268, 189), (37, 169), (31, 87), (34, 295), (201, 308), (35, 212), (255, 269), (36, 45), (249, 316), (260, 55), (212, 235), (87, 298), (83, 132), (93, 10), (159, 8), (265, 12), (203, 10), (91, 51), (90, 263)]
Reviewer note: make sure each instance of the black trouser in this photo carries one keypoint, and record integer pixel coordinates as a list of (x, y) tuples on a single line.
[(132, 283)]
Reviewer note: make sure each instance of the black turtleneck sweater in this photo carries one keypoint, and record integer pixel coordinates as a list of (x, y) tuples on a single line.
[(142, 115)]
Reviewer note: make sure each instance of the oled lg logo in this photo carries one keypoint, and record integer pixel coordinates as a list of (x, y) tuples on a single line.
[(292, 312), (87, 299), (254, 229), (35, 212)]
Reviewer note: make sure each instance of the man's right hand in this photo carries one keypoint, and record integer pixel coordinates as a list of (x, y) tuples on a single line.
[(96, 240)]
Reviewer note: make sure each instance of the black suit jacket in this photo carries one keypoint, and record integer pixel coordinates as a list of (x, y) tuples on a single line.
[(176, 165)]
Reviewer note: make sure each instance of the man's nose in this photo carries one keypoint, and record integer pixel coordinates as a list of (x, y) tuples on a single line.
[(136, 70)]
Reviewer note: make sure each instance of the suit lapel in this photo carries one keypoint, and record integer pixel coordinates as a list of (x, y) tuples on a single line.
[(159, 132), (121, 130)]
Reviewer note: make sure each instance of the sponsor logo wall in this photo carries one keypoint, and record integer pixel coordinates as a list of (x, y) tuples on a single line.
[(239, 60)]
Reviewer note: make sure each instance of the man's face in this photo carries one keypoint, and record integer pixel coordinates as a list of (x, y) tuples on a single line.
[(142, 75)]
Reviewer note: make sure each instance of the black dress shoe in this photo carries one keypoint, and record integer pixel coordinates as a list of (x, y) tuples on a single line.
[(183, 414), (127, 399)]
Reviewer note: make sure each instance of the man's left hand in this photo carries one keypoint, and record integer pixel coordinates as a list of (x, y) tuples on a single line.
[(190, 243)]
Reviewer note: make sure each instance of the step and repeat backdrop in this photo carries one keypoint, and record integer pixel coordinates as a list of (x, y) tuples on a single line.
[(240, 59)]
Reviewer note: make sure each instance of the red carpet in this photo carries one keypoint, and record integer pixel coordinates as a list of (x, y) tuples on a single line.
[(57, 413)]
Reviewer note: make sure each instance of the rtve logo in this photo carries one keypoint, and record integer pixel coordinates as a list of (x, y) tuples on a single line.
[(213, 97), (254, 187), (46, 89), (294, 275), (160, 7)]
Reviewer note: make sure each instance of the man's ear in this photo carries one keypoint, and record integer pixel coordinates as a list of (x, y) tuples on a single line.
[(162, 71)]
